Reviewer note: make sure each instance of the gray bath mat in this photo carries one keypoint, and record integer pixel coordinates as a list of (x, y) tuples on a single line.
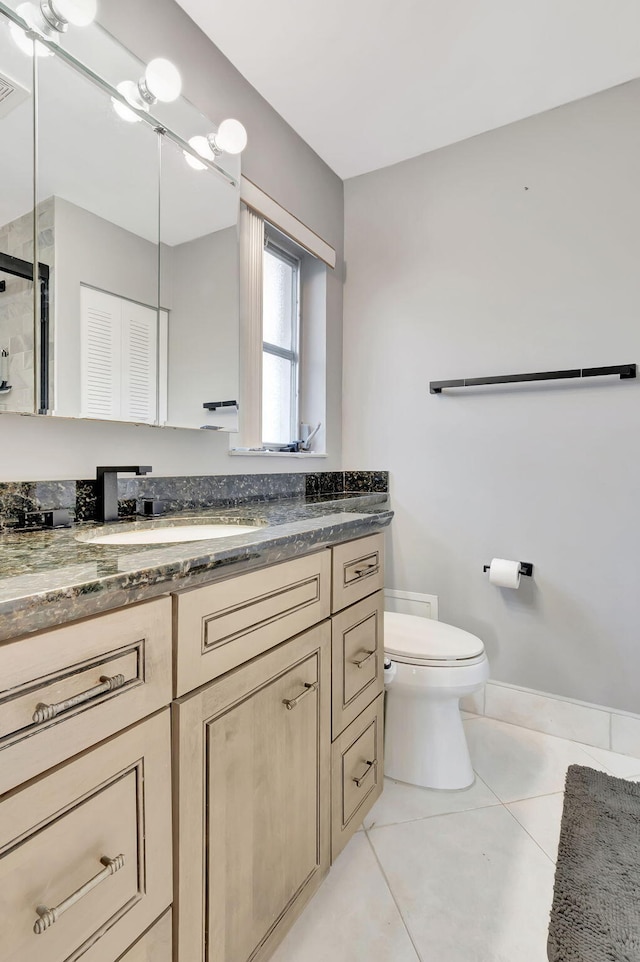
[(596, 900)]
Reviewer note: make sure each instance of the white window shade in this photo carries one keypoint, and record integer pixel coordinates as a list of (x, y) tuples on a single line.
[(251, 247)]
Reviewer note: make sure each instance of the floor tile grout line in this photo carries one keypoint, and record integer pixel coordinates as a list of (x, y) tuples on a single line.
[(487, 786), (586, 748), (426, 818), (527, 832), (393, 897)]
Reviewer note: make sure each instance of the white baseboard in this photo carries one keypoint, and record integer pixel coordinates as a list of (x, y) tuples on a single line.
[(576, 720)]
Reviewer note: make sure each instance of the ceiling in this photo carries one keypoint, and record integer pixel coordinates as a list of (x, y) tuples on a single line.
[(369, 83)]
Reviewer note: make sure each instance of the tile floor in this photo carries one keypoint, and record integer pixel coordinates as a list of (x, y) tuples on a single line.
[(453, 876)]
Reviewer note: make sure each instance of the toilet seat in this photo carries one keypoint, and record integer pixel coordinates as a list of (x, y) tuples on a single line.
[(413, 640)]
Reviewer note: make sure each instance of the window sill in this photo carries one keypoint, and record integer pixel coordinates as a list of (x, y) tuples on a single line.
[(275, 454)]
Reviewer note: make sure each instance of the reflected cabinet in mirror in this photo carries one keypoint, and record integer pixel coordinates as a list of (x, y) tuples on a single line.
[(137, 309)]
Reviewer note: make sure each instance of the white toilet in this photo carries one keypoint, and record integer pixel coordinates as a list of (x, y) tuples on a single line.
[(429, 667)]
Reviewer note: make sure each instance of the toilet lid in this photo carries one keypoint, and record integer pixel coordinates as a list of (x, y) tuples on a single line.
[(421, 639)]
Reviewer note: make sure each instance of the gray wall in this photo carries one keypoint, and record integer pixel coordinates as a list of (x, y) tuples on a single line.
[(284, 166), (203, 328), (454, 269), (91, 250)]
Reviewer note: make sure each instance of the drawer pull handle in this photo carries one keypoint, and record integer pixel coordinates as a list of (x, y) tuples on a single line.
[(45, 713), (360, 780), (361, 662), (49, 916), (365, 569), (292, 702)]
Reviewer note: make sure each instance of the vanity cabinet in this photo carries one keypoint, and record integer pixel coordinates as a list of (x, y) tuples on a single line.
[(250, 783), (264, 799)]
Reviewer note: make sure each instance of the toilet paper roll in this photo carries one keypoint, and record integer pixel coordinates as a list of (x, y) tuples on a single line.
[(504, 573)]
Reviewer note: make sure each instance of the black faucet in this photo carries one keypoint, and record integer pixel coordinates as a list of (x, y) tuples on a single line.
[(107, 489)]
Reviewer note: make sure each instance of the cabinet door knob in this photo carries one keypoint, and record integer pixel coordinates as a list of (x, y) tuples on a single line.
[(292, 702), (362, 777), (361, 662), (45, 712), (50, 915)]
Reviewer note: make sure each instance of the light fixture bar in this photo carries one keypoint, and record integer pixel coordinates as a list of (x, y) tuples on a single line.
[(103, 84)]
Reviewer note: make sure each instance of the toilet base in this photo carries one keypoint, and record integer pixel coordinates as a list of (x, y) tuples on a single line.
[(425, 742)]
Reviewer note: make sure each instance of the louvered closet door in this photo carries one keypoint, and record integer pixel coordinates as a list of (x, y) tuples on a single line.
[(139, 363), (100, 354)]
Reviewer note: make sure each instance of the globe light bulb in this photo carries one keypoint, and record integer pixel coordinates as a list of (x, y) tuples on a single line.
[(191, 160), (163, 80), (78, 12), (231, 137), (202, 147), (129, 91)]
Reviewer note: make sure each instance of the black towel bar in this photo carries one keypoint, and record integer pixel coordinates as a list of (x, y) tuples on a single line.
[(624, 370), (214, 405)]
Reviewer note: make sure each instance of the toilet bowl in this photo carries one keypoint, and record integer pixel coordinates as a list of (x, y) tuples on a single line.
[(429, 667)]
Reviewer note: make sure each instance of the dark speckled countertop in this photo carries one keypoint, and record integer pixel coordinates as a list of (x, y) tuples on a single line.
[(48, 578)]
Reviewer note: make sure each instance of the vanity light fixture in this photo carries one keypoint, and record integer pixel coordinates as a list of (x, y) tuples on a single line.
[(50, 18), (60, 13), (161, 81), (231, 138)]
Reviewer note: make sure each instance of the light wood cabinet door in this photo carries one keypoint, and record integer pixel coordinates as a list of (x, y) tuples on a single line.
[(357, 655), (357, 570), (253, 801), (85, 851), (223, 625)]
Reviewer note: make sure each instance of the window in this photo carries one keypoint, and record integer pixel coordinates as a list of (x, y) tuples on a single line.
[(280, 341), (283, 324)]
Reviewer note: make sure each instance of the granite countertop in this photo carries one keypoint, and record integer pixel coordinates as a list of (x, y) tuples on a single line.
[(48, 578)]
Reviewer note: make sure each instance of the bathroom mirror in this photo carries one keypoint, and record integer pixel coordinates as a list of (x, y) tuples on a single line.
[(97, 186), (17, 370), (139, 321), (199, 270)]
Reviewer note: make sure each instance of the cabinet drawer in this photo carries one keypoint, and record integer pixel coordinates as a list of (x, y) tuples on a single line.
[(356, 773), (357, 656), (358, 570), (62, 691), (227, 623), (154, 946), (85, 851)]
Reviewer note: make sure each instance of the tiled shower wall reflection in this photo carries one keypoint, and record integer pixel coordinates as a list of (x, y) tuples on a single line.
[(16, 304)]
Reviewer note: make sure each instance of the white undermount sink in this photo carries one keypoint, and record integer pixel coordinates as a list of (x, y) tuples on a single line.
[(172, 534)]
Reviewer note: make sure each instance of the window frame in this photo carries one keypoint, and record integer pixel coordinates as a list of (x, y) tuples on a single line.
[(276, 244)]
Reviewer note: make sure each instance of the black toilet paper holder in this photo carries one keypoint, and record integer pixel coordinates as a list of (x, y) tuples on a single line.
[(526, 568)]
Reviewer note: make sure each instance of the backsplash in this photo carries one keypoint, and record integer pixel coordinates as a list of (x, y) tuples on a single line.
[(182, 493)]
